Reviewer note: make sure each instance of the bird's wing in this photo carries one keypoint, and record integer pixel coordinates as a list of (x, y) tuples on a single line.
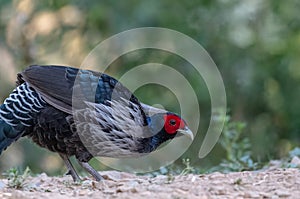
[(111, 130), (68, 88), (54, 83)]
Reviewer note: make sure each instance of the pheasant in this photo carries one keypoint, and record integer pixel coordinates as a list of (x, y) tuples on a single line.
[(83, 113)]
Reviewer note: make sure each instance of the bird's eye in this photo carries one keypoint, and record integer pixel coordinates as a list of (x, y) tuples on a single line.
[(172, 122)]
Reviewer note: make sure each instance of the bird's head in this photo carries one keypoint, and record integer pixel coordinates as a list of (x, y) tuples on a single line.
[(166, 126), (175, 125)]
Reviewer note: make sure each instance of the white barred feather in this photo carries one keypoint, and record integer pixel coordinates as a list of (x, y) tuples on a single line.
[(18, 101), (124, 121)]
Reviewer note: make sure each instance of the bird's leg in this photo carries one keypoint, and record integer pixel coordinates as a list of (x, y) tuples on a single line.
[(91, 170), (70, 167)]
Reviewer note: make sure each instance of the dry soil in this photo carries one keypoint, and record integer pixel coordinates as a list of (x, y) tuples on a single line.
[(271, 183)]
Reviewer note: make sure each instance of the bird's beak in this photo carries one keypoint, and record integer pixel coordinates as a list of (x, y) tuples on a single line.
[(186, 131)]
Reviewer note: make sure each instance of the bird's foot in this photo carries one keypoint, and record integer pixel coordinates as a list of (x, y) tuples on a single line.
[(71, 170), (68, 173), (91, 170)]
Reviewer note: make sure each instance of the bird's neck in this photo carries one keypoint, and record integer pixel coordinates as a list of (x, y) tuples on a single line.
[(150, 144), (154, 134), (156, 141)]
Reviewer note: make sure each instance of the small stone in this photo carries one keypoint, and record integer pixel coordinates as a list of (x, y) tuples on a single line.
[(7, 194), (74, 193), (62, 192), (160, 179), (193, 179), (146, 193), (116, 175), (216, 175), (109, 191), (90, 193), (154, 188), (282, 193), (126, 189), (2, 185), (253, 194), (87, 183), (82, 193)]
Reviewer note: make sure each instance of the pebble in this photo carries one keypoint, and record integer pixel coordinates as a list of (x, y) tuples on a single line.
[(87, 183), (216, 176), (253, 194), (109, 191), (7, 194), (282, 193), (126, 189), (82, 193), (2, 185), (116, 175), (193, 179)]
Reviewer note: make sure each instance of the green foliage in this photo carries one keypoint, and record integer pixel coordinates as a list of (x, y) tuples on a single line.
[(170, 178), (176, 169), (237, 148), (238, 181), (294, 152), (188, 168), (15, 179), (255, 45), (287, 162)]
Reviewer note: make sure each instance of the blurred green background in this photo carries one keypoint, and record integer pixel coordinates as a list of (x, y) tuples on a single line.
[(254, 43)]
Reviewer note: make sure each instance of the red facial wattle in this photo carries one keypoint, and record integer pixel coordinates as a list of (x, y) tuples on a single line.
[(173, 123)]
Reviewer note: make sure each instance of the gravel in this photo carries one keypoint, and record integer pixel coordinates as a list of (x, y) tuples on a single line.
[(272, 183)]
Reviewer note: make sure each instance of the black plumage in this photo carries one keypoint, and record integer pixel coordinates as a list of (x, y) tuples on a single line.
[(84, 114)]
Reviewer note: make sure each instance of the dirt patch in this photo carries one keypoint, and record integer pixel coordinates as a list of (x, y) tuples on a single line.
[(275, 183)]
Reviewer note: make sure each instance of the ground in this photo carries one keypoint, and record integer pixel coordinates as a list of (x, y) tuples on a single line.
[(270, 183)]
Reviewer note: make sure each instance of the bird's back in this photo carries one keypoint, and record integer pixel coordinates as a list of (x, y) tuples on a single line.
[(43, 105)]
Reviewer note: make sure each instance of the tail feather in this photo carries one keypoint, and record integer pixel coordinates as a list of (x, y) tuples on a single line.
[(17, 112), (7, 135)]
